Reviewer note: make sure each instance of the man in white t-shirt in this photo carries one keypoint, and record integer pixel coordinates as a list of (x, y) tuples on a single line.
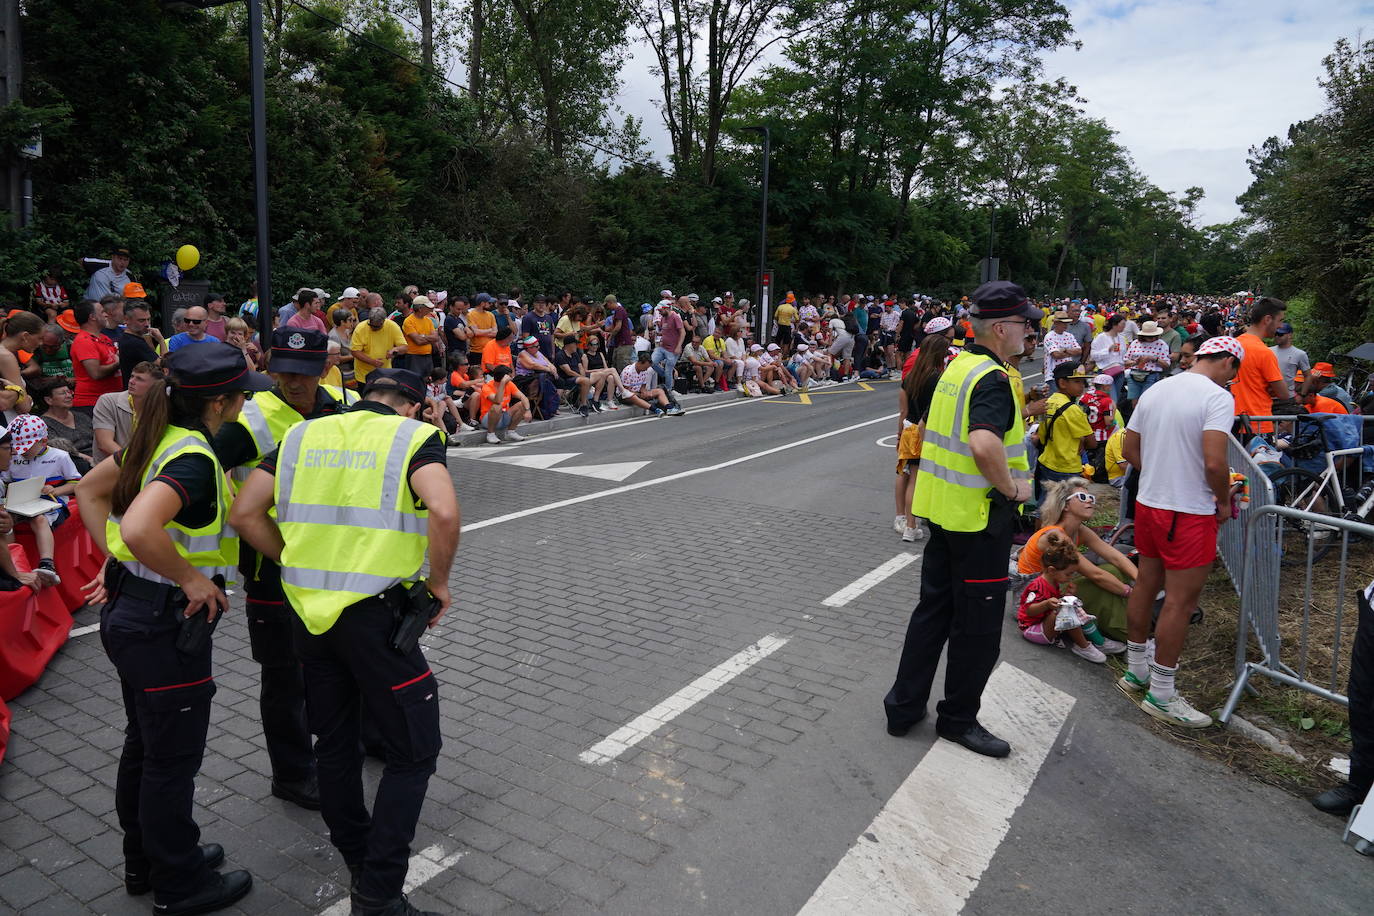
[(1292, 360), (1177, 439)]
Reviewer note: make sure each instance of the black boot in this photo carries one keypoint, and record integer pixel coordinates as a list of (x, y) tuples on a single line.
[(1340, 800), (303, 792), (136, 880), (397, 906), (218, 893)]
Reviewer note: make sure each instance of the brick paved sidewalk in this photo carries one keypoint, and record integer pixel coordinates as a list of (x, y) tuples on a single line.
[(533, 671)]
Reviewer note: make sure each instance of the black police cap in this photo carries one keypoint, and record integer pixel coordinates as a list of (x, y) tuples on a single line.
[(213, 367), (1003, 299), (402, 381), (298, 350)]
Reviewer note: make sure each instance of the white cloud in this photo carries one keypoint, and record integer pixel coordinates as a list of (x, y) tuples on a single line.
[(1189, 85)]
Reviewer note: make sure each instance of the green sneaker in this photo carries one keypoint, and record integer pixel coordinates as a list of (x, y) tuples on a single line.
[(1132, 686), (1176, 711)]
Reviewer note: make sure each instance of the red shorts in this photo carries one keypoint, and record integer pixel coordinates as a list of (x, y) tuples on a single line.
[(1179, 539)]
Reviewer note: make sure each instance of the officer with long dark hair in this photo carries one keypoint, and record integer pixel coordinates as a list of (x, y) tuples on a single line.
[(159, 509)]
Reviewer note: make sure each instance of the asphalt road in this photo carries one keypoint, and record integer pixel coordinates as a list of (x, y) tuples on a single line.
[(662, 694)]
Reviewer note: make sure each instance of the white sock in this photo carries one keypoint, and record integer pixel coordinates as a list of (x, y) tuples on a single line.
[(1162, 681), (1135, 660)]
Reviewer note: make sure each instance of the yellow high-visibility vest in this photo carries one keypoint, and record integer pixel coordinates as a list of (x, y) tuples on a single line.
[(267, 417), (351, 527), (213, 549), (950, 490)]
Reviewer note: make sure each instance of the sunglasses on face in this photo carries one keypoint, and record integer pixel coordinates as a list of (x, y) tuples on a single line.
[(194, 320), (1083, 497)]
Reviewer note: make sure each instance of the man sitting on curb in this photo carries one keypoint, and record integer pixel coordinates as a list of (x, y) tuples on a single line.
[(639, 380), (502, 391)]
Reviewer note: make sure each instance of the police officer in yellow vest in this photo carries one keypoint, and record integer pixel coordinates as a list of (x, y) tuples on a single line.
[(159, 510), (362, 499), (974, 475), (296, 361)]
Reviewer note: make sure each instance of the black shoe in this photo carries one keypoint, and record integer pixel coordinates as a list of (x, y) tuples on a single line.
[(398, 906), (898, 731), (979, 740), (220, 892), (1340, 800), (136, 881), (302, 792)]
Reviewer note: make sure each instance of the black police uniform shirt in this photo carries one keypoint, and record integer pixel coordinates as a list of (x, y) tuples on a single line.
[(433, 451), (193, 479), (991, 405)]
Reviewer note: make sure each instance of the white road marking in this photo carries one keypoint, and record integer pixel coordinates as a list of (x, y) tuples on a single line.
[(927, 849), (645, 724), (681, 475), (424, 865), (540, 462), (869, 579), (886, 442), (82, 631), (617, 472)]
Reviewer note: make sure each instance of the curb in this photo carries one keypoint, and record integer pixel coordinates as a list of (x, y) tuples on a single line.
[(576, 421)]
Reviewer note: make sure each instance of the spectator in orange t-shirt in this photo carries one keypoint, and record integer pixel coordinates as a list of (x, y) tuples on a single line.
[(1260, 382), (502, 406), (1314, 402), (497, 352)]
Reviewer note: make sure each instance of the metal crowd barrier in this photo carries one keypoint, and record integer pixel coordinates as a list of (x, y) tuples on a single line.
[(1259, 600), (1233, 539)]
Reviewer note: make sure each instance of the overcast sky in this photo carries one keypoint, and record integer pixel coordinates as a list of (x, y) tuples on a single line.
[(1190, 85)]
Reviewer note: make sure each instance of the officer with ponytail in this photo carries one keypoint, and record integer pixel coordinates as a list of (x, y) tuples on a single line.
[(159, 508)]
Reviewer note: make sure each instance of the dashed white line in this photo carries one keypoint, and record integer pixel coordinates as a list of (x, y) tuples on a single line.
[(927, 849), (424, 865), (870, 579), (645, 724), (82, 631)]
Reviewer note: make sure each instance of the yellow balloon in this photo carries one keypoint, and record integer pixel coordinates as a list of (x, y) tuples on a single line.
[(187, 257)]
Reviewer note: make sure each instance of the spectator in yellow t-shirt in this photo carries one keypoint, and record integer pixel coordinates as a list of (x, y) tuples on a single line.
[(375, 342), (1064, 431)]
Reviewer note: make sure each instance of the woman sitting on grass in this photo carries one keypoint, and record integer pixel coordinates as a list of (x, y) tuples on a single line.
[(1067, 506)]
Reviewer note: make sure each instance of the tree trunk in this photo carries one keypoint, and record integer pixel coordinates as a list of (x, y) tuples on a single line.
[(426, 33), (475, 59)]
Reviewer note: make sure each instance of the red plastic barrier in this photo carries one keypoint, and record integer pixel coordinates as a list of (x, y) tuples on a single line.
[(75, 555), (4, 729), (32, 629)]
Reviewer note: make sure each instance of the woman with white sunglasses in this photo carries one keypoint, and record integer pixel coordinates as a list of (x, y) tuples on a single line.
[(1064, 513)]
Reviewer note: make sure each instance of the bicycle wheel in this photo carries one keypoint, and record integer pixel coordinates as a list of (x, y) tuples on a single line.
[(1299, 488)]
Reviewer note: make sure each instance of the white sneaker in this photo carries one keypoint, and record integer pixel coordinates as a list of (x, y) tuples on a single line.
[(1176, 711), (492, 439), (899, 524), (913, 534), (1111, 646), (1089, 653), (513, 436)]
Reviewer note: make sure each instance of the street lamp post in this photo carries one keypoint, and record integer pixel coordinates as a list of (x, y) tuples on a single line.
[(763, 290), (257, 101)]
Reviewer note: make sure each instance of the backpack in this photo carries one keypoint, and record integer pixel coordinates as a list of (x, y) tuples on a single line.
[(851, 324)]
